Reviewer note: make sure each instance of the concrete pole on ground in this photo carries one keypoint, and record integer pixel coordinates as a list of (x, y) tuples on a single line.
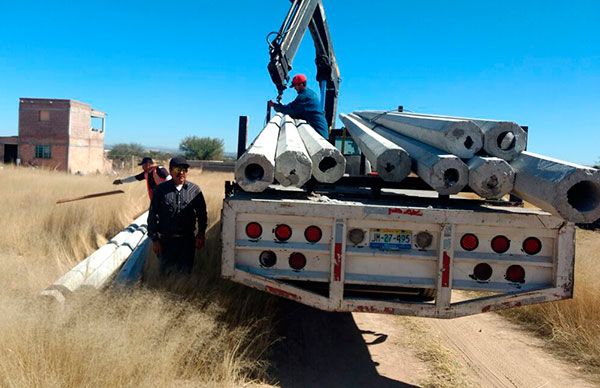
[(459, 137), (503, 139), (292, 163), (568, 190), (445, 173), (255, 169), (328, 163), (490, 178), (391, 161)]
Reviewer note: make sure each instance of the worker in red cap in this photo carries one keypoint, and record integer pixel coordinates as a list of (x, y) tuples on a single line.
[(306, 106)]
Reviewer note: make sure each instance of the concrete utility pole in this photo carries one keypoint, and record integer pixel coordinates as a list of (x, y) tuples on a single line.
[(292, 164), (490, 178), (503, 139), (568, 190), (328, 163), (391, 161), (459, 137), (255, 170), (446, 174)]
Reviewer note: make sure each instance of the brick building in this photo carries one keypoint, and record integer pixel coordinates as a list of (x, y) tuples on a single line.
[(60, 134)]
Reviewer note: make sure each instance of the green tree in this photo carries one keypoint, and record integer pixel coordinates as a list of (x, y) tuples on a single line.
[(202, 148), (124, 151)]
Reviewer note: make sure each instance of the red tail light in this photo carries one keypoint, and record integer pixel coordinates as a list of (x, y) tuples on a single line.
[(482, 271), (267, 258), (253, 230), (297, 261), (283, 232), (500, 244), (515, 274), (469, 242), (532, 245), (313, 234)]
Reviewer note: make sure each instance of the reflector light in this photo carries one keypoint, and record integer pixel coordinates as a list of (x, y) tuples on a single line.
[(313, 234), (532, 245), (356, 236), (500, 244), (253, 230), (469, 242), (423, 240), (267, 258), (482, 271), (515, 274), (283, 232), (297, 261)]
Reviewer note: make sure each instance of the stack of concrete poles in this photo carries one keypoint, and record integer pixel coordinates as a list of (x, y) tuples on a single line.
[(328, 163), (502, 139), (445, 173), (391, 161), (565, 189), (293, 166), (458, 137), (98, 268), (255, 169)]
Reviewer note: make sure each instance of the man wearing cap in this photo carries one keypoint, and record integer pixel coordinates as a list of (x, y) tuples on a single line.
[(153, 174), (177, 220), (306, 106)]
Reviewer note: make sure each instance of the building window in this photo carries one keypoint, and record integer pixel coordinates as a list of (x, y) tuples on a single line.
[(44, 115), (97, 124), (43, 152)]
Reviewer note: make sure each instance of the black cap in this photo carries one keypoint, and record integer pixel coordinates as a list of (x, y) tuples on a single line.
[(178, 161), (146, 159)]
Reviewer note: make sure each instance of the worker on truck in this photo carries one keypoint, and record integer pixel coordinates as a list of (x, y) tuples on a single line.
[(153, 174), (306, 106)]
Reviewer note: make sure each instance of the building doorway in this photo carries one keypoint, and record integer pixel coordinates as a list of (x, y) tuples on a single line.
[(11, 152)]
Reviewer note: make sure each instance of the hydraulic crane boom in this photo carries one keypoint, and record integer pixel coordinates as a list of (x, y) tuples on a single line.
[(283, 48)]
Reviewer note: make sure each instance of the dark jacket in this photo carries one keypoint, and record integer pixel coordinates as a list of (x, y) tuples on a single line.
[(306, 107), (160, 170), (176, 213)]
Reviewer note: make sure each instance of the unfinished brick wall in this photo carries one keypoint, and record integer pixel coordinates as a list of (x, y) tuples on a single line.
[(64, 125)]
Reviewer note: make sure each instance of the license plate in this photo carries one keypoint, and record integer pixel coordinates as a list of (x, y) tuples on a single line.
[(390, 239)]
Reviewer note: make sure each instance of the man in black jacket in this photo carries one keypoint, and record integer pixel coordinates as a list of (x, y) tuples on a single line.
[(177, 220)]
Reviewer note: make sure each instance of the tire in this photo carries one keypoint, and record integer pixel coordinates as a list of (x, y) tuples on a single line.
[(427, 293)]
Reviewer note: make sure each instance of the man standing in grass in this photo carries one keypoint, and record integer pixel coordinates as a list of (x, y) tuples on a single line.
[(153, 174), (177, 220)]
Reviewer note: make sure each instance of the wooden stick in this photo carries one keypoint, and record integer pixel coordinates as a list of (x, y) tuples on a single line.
[(90, 196)]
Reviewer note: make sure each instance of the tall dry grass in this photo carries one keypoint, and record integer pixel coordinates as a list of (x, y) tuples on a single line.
[(194, 331), (572, 327)]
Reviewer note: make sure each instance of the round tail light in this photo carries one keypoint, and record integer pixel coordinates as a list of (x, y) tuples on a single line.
[(469, 242), (423, 240), (283, 232), (515, 274), (297, 261), (356, 236), (500, 244), (267, 258), (313, 234), (482, 271), (253, 230), (532, 245)]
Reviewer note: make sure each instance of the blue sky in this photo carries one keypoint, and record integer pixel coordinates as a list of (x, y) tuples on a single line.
[(166, 70)]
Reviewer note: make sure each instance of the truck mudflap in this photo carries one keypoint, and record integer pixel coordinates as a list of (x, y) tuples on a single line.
[(509, 259)]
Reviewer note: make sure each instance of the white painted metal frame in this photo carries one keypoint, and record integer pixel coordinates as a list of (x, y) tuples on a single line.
[(340, 212)]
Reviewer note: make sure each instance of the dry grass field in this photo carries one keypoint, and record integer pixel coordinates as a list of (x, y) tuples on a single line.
[(200, 331)]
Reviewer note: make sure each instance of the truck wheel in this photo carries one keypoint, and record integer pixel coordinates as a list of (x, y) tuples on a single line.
[(427, 293)]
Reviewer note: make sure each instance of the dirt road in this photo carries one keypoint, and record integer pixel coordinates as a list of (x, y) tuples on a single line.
[(342, 350)]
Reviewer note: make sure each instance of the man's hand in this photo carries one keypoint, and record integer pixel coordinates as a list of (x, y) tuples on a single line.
[(200, 241), (117, 182), (157, 248), (271, 103)]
